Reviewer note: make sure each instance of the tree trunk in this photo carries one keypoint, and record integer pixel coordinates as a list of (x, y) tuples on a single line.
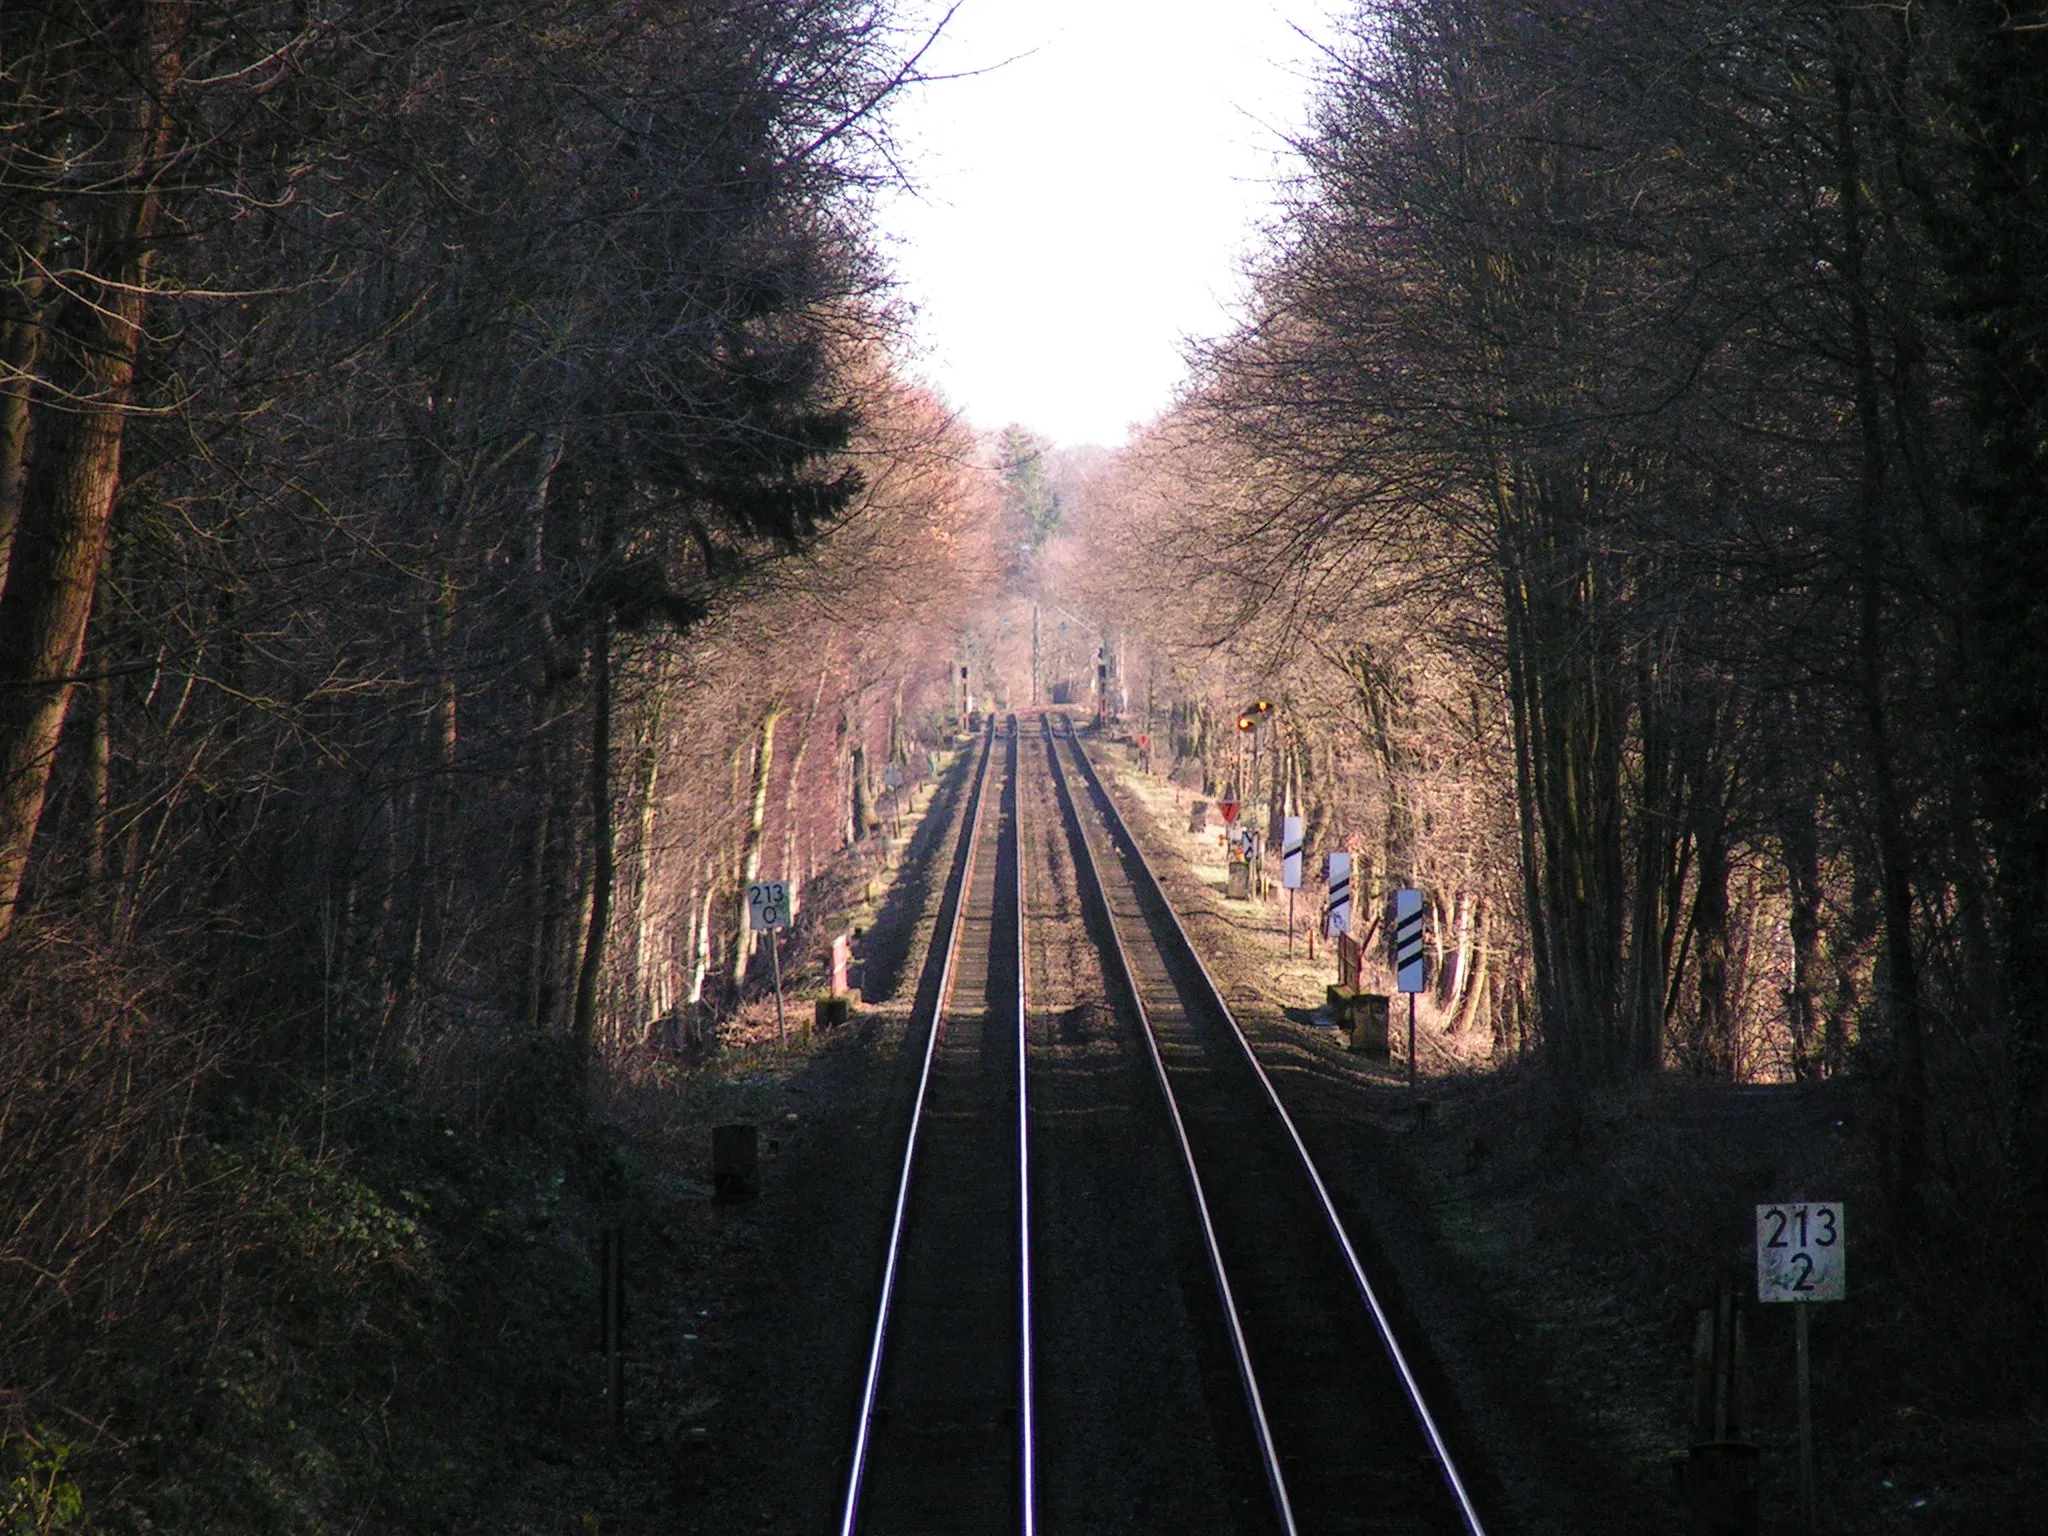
[(860, 793), (792, 796), (1477, 989), (551, 781), (603, 855), (1800, 839), (685, 956), (1895, 872), (1714, 1044), (1995, 262), (67, 500), (1568, 723), (99, 788), (700, 969), (1460, 968), (750, 849), (21, 339), (643, 873), (1662, 856), (537, 1004)]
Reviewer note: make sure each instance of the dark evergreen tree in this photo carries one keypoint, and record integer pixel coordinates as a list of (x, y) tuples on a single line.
[(1994, 242)]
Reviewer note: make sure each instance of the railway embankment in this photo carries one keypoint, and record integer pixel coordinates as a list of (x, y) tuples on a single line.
[(1556, 1262)]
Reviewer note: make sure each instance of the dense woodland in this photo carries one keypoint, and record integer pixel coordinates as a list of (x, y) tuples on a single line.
[(1627, 482), (462, 516), (461, 521)]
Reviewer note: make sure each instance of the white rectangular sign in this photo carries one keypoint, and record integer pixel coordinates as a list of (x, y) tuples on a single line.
[(1290, 853), (768, 905), (1409, 965), (1801, 1251), (1337, 916)]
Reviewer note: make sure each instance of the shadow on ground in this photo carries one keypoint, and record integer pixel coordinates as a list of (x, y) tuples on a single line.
[(885, 948)]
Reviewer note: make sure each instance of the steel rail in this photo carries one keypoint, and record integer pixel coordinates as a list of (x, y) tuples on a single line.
[(863, 1432), (1438, 1446), (1269, 1454), (1027, 1409)]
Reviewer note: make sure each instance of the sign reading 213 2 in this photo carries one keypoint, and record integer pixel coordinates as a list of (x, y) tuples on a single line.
[(1801, 1251)]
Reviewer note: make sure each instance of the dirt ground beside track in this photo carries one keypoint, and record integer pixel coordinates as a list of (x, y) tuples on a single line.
[(1558, 1268)]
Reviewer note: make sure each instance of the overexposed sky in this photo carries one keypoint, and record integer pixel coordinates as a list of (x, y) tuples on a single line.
[(1087, 205)]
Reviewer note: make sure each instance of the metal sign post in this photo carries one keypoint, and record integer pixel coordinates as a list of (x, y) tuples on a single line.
[(1802, 1254), (1290, 868), (1409, 966), (768, 911)]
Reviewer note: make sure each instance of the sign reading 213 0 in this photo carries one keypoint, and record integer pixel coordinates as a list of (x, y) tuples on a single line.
[(768, 905)]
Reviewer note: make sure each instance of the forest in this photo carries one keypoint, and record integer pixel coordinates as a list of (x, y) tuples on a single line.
[(465, 513), (461, 521), (1626, 483)]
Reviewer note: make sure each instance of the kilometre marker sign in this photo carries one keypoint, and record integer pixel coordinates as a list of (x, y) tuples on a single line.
[(768, 905), (1801, 1251)]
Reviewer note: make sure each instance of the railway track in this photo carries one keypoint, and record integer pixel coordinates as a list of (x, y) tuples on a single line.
[(943, 1440), (1347, 1442), (1212, 1356), (1142, 1426)]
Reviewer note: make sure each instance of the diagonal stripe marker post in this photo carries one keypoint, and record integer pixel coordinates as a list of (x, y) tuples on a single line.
[(1290, 870), (1410, 967), (1337, 912)]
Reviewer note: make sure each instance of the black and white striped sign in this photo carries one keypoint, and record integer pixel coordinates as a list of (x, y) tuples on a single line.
[(1337, 915), (1290, 853), (1409, 965)]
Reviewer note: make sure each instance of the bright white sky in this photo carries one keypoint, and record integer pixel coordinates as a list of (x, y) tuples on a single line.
[(1088, 205)]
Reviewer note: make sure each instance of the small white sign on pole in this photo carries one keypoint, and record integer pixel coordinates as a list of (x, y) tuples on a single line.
[(1337, 915), (1290, 853), (1801, 1251), (768, 908), (1409, 965), (768, 905)]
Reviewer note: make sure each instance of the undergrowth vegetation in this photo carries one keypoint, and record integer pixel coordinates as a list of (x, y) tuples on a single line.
[(240, 1300)]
